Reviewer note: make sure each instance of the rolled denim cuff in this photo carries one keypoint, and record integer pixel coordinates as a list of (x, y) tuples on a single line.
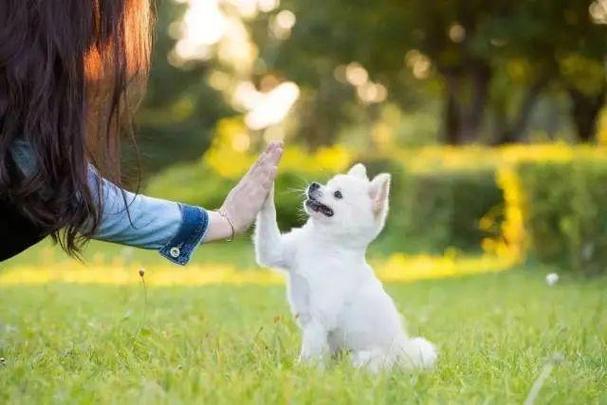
[(194, 225)]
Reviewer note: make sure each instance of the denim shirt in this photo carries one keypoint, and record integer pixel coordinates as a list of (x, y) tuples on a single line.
[(173, 229)]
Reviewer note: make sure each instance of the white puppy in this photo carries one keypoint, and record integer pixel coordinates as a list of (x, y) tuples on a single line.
[(334, 294)]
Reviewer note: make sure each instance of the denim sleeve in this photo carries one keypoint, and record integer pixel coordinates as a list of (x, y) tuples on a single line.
[(174, 229)]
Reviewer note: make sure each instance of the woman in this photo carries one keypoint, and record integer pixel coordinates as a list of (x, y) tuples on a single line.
[(70, 80)]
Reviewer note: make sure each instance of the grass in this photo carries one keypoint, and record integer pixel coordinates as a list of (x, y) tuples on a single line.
[(227, 343)]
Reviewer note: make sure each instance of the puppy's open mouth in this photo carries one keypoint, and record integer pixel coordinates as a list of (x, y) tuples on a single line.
[(317, 206)]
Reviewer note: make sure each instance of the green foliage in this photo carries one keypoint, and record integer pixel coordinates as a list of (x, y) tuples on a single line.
[(190, 183), (564, 213), (441, 209)]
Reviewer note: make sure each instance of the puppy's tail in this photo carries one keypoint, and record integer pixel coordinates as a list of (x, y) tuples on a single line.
[(418, 353)]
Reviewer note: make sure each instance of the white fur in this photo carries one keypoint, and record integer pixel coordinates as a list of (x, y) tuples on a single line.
[(333, 292)]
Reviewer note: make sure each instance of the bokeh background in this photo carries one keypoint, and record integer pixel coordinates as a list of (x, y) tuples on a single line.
[(490, 115)]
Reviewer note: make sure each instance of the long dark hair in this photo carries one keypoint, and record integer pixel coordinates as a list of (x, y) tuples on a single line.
[(71, 73)]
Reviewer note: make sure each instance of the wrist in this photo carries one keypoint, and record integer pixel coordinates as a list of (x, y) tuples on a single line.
[(219, 227), (224, 214)]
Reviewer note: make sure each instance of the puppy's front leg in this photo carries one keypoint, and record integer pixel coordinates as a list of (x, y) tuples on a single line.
[(314, 346), (269, 243)]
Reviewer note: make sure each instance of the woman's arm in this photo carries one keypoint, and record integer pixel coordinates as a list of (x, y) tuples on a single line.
[(174, 229)]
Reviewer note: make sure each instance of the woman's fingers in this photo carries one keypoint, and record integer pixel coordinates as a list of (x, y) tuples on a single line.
[(266, 165), (267, 156), (275, 153), (273, 160)]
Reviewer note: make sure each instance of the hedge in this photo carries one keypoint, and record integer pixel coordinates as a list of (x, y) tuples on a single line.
[(564, 213), (443, 209), (550, 206), (429, 211)]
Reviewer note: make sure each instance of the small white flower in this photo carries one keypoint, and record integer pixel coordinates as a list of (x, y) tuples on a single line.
[(552, 279)]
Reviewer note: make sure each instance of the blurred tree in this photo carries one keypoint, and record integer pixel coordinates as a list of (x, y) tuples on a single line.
[(487, 62), (180, 110), (445, 40), (493, 57), (562, 43), (451, 34)]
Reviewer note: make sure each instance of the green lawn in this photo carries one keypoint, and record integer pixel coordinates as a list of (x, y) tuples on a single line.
[(234, 344)]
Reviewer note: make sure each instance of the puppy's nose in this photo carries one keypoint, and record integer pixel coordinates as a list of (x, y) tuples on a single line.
[(314, 190)]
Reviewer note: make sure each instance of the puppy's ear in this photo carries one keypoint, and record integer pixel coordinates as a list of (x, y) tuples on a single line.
[(358, 170), (380, 193)]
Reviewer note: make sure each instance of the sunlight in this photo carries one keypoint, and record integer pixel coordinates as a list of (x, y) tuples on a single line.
[(207, 22), (418, 63), (457, 33), (204, 22), (356, 74), (203, 25), (282, 23), (215, 29), (598, 11), (270, 108)]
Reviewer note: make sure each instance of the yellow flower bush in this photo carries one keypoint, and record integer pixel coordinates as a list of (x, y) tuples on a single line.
[(511, 242)]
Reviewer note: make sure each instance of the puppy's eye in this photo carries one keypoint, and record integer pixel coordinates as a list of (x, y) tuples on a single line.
[(338, 195)]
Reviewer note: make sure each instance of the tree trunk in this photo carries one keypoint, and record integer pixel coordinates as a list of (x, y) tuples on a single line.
[(510, 132), (466, 99), (452, 133), (585, 111)]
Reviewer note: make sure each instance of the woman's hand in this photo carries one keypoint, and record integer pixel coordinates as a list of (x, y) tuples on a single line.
[(245, 200)]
